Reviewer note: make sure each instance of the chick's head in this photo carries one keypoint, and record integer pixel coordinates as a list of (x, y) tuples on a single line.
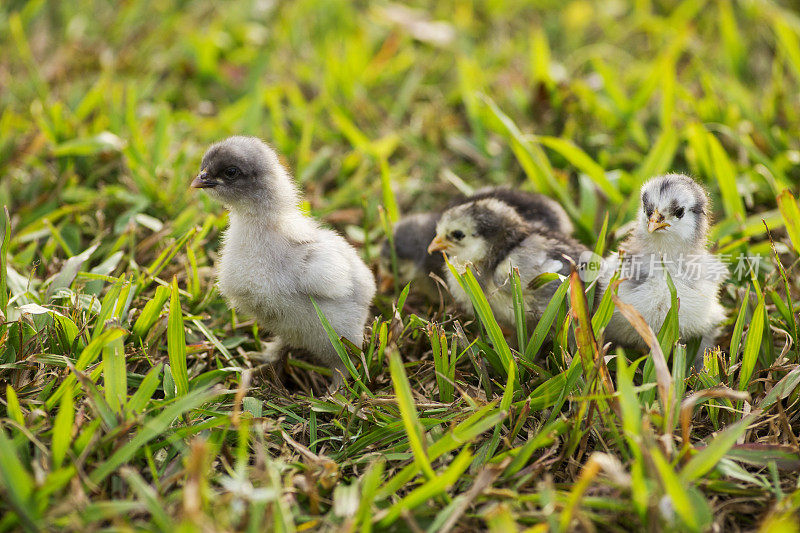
[(411, 237), (479, 232), (673, 211), (243, 173)]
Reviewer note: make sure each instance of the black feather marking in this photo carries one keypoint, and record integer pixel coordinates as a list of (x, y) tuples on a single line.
[(666, 184), (412, 235), (502, 231), (530, 206)]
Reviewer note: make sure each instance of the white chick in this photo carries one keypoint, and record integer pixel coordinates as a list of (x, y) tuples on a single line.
[(492, 236), (672, 228), (274, 259)]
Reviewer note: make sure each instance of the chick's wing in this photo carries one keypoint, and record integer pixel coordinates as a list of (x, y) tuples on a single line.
[(534, 256), (326, 267)]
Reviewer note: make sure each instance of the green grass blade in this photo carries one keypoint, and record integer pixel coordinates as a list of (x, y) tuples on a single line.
[(107, 309), (370, 483), (338, 345), (176, 342), (790, 211), (88, 356), (789, 43), (545, 322), (484, 312), (659, 158), (3, 265), (752, 345), (145, 390), (738, 328), (62, 431), (115, 375), (151, 312), (389, 200), (707, 458), (466, 431), (150, 498), (151, 429), (532, 159), (725, 173), (13, 409), (408, 413), (16, 482), (436, 485), (520, 320), (580, 160), (681, 500)]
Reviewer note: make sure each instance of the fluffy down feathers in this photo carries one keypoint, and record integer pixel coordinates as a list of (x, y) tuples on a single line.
[(670, 234), (274, 259), (413, 233), (491, 236)]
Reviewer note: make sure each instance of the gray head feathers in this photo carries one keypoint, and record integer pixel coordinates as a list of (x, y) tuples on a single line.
[(412, 234), (246, 175)]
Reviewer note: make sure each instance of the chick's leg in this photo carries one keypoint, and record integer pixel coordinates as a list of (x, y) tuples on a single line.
[(270, 362), (272, 352)]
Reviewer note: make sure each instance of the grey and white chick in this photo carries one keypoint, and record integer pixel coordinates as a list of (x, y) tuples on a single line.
[(413, 233), (671, 233), (493, 237), (274, 259)]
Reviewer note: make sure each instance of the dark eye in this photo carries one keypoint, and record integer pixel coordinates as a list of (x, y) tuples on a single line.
[(457, 235), (679, 213), (231, 172)]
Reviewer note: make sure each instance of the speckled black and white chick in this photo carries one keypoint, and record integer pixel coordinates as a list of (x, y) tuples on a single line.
[(274, 259), (492, 236), (413, 234), (671, 232)]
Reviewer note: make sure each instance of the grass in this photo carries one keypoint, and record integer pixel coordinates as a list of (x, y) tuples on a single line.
[(128, 399)]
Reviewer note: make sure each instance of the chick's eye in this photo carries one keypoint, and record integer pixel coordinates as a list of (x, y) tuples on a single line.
[(679, 212), (231, 172), (457, 235)]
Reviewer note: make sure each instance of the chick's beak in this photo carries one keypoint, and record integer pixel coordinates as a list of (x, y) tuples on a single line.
[(204, 181), (438, 244), (656, 222)]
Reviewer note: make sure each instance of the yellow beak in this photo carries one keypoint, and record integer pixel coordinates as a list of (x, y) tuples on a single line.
[(656, 222), (438, 244)]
